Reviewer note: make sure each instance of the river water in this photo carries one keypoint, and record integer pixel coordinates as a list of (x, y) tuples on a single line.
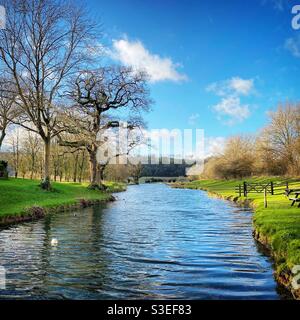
[(153, 243)]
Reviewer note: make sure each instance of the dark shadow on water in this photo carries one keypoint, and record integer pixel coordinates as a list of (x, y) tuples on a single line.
[(281, 290)]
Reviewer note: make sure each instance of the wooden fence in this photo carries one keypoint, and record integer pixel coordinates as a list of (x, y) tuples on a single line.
[(247, 188), (271, 187), (265, 188)]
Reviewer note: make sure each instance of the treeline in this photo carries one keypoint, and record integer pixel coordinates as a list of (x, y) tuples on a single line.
[(25, 157), (275, 150)]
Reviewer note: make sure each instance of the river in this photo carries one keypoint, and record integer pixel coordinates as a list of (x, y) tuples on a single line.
[(154, 242)]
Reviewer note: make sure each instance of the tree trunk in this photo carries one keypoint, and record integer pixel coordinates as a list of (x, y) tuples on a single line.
[(100, 173), (32, 166), (75, 168), (93, 168), (46, 185), (95, 181), (61, 172), (81, 166), (2, 136)]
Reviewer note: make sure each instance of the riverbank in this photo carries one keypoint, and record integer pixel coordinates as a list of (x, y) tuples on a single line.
[(23, 200), (276, 227)]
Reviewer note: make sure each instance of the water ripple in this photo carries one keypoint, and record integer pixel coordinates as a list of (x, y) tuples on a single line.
[(153, 243)]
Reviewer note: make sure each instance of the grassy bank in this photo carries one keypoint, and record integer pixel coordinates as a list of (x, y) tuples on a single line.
[(277, 227), (17, 196)]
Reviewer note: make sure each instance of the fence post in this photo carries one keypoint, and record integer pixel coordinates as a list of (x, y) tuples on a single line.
[(287, 185), (265, 198), (245, 189), (272, 188), (240, 190)]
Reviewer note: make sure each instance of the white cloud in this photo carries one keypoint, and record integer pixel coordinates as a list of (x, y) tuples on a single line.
[(293, 45), (163, 134), (241, 86), (232, 109), (193, 118), (134, 54), (233, 86)]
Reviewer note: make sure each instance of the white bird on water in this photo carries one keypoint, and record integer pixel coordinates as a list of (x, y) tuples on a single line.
[(54, 242)]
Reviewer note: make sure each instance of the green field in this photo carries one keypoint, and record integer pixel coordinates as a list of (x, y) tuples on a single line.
[(18, 195), (279, 223)]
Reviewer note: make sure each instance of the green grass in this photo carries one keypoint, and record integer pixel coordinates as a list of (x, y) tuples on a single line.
[(280, 222), (17, 195)]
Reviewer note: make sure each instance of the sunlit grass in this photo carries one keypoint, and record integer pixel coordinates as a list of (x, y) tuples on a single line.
[(17, 195)]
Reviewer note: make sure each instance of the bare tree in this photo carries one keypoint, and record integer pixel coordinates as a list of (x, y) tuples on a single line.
[(97, 96), (113, 152), (43, 44), (82, 165), (275, 151), (31, 146), (14, 142), (8, 110), (237, 160), (135, 171), (117, 172), (283, 134)]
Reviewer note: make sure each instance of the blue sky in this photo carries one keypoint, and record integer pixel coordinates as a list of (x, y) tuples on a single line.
[(215, 65)]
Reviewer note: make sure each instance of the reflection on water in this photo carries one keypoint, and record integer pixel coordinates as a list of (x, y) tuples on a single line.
[(153, 243)]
